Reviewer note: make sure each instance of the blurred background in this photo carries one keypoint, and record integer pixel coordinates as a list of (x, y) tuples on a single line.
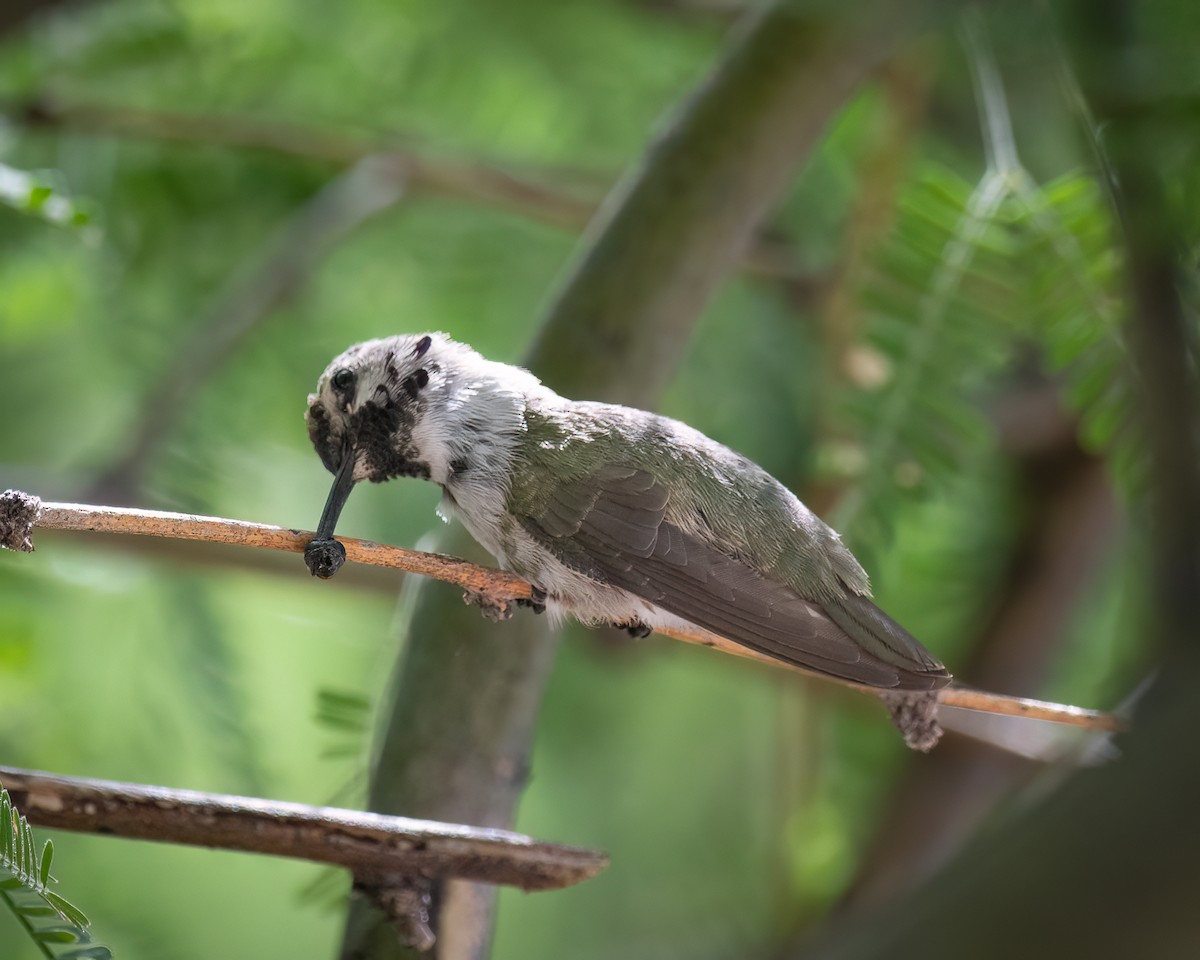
[(205, 201)]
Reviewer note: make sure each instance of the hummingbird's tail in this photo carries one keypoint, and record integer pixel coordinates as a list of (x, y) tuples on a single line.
[(883, 638)]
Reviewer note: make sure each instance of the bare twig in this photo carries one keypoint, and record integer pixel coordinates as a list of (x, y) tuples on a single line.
[(489, 185), (371, 845), (494, 588)]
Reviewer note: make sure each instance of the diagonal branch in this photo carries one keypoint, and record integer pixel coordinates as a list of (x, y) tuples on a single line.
[(493, 589), (369, 844)]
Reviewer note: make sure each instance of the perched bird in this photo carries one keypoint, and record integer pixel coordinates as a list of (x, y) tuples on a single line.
[(615, 515)]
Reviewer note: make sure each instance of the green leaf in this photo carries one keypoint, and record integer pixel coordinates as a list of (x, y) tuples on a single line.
[(47, 916), (47, 857), (28, 850), (58, 934), (67, 910), (92, 952)]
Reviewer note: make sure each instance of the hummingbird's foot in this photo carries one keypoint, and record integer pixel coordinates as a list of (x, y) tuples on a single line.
[(635, 628), (536, 601)]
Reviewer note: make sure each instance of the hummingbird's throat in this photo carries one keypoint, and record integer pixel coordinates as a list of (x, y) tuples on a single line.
[(375, 444)]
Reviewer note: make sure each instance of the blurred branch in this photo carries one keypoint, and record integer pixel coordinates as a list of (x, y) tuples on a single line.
[(488, 185), (495, 590), (458, 726), (372, 185), (369, 844), (691, 206)]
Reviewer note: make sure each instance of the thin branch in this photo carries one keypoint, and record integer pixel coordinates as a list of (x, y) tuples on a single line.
[(933, 313), (488, 185), (370, 845), (493, 589)]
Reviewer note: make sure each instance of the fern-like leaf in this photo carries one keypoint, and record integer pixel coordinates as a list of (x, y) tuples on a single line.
[(936, 297), (1076, 309), (52, 921), (966, 277)]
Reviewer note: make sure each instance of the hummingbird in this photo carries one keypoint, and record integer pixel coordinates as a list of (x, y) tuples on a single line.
[(614, 515)]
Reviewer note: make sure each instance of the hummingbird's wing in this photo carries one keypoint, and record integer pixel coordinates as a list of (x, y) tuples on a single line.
[(612, 526)]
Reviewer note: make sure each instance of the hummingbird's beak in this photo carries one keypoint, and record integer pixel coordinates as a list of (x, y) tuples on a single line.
[(339, 493), (324, 555)]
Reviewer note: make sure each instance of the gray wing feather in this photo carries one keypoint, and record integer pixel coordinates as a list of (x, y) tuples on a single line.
[(613, 524)]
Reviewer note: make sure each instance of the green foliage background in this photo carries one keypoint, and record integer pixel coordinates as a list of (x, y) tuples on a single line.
[(676, 761)]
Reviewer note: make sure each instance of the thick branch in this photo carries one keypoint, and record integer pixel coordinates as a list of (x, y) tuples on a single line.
[(459, 722), (679, 220), (491, 588), (370, 845)]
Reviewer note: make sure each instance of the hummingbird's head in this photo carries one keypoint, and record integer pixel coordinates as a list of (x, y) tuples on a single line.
[(415, 405), (369, 402)]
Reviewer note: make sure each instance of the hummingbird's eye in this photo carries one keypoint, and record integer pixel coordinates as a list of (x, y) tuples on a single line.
[(342, 379)]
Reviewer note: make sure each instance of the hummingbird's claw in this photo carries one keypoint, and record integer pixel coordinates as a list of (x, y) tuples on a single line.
[(536, 601)]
